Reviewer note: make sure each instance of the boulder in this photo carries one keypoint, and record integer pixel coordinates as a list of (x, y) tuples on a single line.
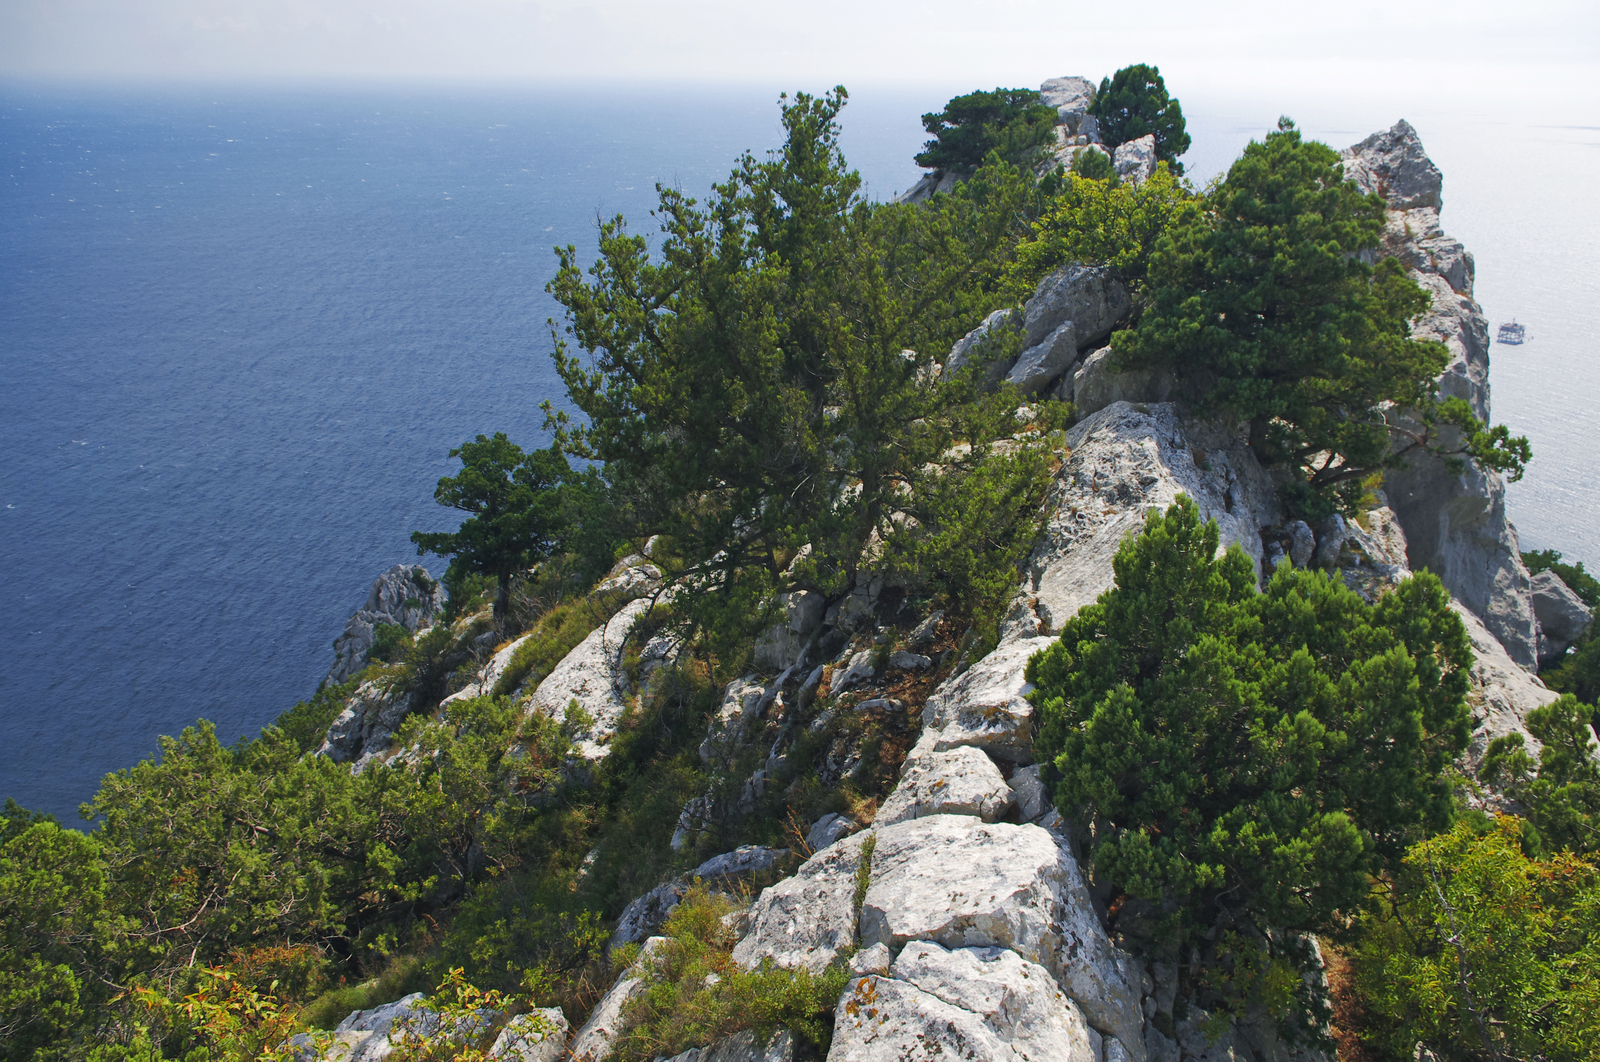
[(645, 916), (926, 631), (1071, 97), (883, 1019), (406, 596), (1017, 999), (1028, 789), (1094, 385), (958, 781), (980, 345), (1331, 535), (986, 706), (785, 643), (908, 661), (591, 674), (931, 184), (1124, 461), (1135, 161), (539, 1036), (1393, 164), (853, 674), (827, 830), (961, 882), (1087, 296), (1046, 360), (375, 1034), (1302, 543), (1563, 617), (807, 920), (742, 701)]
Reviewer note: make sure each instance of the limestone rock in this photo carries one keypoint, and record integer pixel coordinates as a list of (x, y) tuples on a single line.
[(591, 674), (883, 1019), (926, 631), (857, 671), (1071, 97), (1135, 161), (367, 724), (784, 644), (961, 882), (594, 1041), (1095, 386), (931, 184), (1016, 998), (978, 345), (1126, 460), (1046, 360), (1455, 522), (405, 595), (958, 781), (907, 661), (806, 920), (373, 1035), (827, 830), (648, 913), (986, 706), (874, 960), (742, 700), (1087, 296), (1331, 535), (1033, 802), (632, 577), (743, 1047), (489, 675), (540, 1036), (1563, 617), (1302, 543), (1393, 164)]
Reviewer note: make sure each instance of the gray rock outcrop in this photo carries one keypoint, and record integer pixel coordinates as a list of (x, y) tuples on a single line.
[(606, 1024), (1135, 160), (406, 596), (367, 725), (1455, 522), (591, 674), (743, 1047), (1071, 97), (538, 1036), (1563, 617), (1095, 385), (981, 345), (958, 781), (809, 919)]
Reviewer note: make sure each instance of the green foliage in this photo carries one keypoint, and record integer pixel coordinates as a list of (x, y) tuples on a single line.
[(1245, 759), (306, 724), (389, 643), (695, 993), (1095, 166), (1013, 123), (1484, 953), (53, 925), (1263, 303), (754, 387), (516, 509), (556, 633), (1099, 222), (1561, 790), (1133, 103)]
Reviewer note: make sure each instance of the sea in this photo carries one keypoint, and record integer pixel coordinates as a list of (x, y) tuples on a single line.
[(242, 326)]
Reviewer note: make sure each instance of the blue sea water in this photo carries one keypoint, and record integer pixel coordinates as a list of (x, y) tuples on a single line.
[(240, 329)]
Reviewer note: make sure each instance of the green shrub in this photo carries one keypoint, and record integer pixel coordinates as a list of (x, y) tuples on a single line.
[(390, 642), (1561, 789), (555, 634), (1095, 166), (696, 994), (1479, 952), (1098, 222), (1246, 759), (1133, 103)]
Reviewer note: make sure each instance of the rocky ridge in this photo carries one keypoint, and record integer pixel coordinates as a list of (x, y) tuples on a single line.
[(968, 924)]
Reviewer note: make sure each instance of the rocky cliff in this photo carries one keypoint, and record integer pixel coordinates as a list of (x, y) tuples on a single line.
[(969, 926)]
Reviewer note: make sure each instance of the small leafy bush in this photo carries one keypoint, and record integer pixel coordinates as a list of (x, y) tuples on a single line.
[(696, 994)]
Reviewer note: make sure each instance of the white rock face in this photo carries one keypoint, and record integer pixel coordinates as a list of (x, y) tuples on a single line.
[(1045, 361), (959, 781), (374, 1035), (405, 595), (827, 830), (591, 674), (1017, 999), (489, 676), (1125, 461), (883, 1019), (808, 919), (633, 576), (1456, 524), (1071, 97), (539, 1036), (367, 724), (986, 706), (960, 882), (1135, 161)]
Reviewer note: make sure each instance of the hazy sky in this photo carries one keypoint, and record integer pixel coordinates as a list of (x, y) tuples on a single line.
[(1536, 56)]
